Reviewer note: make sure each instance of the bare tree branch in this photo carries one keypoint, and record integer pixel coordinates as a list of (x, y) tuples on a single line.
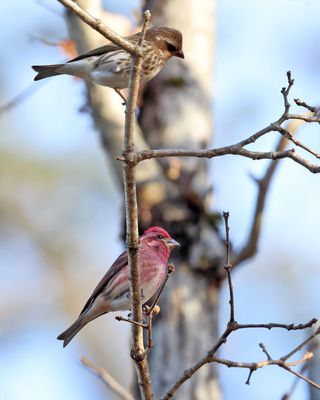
[(305, 105), (131, 207), (272, 325), (229, 150), (261, 364), (19, 98), (108, 379), (228, 267), (288, 135), (239, 148), (100, 27), (233, 326)]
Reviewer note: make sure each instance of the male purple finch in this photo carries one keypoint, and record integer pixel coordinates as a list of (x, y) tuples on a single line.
[(113, 292), (109, 65)]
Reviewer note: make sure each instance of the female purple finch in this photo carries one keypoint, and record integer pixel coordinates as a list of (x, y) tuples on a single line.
[(109, 65), (113, 292)]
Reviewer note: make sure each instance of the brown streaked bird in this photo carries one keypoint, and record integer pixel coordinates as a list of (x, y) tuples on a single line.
[(109, 65)]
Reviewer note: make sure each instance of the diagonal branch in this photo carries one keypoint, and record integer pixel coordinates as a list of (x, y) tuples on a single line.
[(19, 98), (287, 134), (108, 379), (100, 27)]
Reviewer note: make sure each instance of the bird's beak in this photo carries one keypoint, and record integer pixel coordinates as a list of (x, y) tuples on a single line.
[(179, 54), (170, 243)]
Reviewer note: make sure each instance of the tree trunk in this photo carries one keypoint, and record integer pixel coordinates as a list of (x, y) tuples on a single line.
[(176, 113)]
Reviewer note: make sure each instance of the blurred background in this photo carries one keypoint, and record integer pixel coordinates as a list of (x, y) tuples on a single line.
[(60, 205)]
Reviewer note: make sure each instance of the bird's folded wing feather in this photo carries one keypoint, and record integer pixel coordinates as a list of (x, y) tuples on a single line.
[(97, 52), (106, 48), (120, 262)]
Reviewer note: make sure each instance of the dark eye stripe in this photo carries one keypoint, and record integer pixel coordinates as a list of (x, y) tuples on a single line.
[(172, 48)]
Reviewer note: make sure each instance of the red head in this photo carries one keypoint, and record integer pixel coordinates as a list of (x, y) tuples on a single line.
[(159, 239)]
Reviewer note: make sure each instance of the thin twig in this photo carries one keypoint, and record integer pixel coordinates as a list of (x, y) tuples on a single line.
[(264, 349), (290, 392), (303, 377), (295, 350), (285, 93), (131, 321), (301, 103), (108, 379), (311, 349), (261, 364), (152, 312), (170, 269), (19, 98), (228, 267), (288, 135), (272, 325)]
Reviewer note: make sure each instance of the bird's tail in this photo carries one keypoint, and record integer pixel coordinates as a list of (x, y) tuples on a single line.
[(45, 71), (71, 332)]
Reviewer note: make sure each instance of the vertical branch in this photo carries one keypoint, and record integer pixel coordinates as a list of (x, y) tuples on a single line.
[(228, 267), (131, 209)]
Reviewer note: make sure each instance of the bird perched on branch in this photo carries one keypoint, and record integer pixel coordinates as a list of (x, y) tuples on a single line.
[(113, 291), (109, 65)]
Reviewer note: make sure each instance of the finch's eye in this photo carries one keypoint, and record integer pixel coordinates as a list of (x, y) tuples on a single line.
[(171, 47), (160, 237)]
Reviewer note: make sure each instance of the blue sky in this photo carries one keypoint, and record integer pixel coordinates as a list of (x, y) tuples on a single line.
[(257, 43)]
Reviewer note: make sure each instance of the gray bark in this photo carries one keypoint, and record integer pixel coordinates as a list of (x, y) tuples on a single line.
[(177, 113)]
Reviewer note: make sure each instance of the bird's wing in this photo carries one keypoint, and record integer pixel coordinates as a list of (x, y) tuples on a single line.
[(121, 262), (97, 52), (106, 48)]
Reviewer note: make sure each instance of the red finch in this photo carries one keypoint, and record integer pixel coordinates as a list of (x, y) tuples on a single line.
[(109, 65), (113, 292)]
